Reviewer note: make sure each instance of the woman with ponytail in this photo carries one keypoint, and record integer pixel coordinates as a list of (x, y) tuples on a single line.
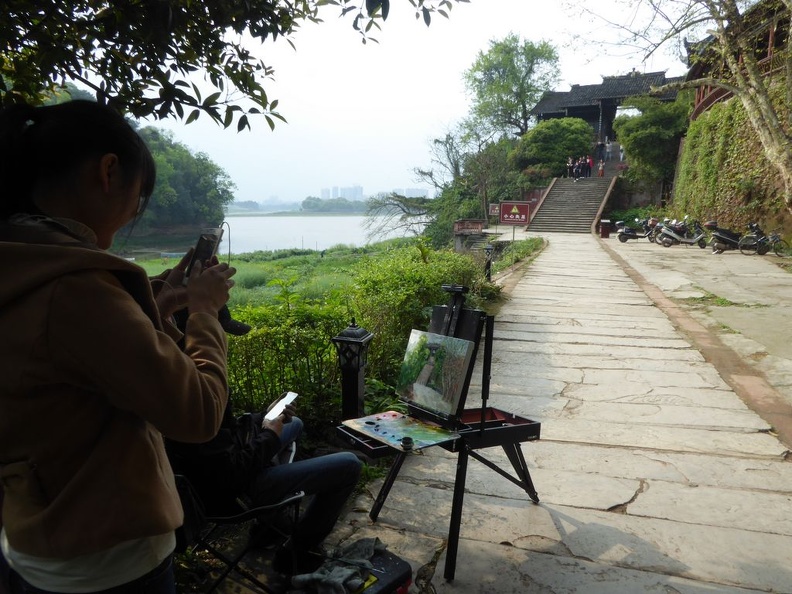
[(92, 377)]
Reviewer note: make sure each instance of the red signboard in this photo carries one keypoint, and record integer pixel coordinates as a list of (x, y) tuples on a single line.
[(494, 210), (515, 213)]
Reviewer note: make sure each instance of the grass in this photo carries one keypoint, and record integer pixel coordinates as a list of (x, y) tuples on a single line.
[(515, 252), (265, 275), (785, 265), (711, 300), (262, 276)]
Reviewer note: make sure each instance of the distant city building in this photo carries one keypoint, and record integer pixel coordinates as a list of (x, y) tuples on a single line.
[(349, 193), (355, 193), (352, 193)]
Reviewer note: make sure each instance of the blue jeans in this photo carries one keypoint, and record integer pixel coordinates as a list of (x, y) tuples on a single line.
[(159, 580), (331, 479), (291, 432)]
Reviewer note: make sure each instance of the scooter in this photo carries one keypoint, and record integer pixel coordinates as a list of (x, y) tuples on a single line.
[(722, 239), (626, 233), (654, 236), (681, 233)]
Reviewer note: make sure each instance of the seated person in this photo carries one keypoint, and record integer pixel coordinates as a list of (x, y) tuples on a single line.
[(242, 461)]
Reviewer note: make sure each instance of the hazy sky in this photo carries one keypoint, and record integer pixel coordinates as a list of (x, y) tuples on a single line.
[(365, 114)]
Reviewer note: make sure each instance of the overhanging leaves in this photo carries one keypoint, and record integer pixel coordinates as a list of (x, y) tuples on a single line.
[(152, 57)]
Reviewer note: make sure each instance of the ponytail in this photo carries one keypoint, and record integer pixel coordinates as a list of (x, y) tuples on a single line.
[(16, 171)]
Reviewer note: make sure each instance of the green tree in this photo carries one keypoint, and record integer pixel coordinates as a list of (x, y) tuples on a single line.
[(431, 216), (392, 211), (491, 175), (468, 174), (141, 55), (458, 200), (546, 147), (508, 79), (652, 137), (191, 189), (735, 55)]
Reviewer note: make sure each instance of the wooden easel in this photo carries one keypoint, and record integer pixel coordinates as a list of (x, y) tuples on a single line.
[(478, 428)]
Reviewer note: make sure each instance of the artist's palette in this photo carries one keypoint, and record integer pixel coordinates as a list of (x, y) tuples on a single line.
[(401, 431)]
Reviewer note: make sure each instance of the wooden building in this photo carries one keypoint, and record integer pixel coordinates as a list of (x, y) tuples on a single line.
[(597, 104)]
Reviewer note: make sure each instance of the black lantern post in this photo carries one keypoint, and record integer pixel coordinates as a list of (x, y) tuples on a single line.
[(352, 347), (488, 249)]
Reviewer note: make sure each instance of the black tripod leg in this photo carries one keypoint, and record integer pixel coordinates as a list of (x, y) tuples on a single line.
[(456, 514), (515, 455), (386, 486)]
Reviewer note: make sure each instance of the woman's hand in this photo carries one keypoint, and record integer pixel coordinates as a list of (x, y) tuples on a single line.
[(171, 295), (207, 288), (289, 410), (275, 425), (278, 422)]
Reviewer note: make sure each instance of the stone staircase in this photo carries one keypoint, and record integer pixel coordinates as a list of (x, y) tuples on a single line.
[(570, 206)]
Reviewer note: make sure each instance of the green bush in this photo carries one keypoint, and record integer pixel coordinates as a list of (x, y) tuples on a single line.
[(289, 348), (639, 212), (394, 292), (514, 252)]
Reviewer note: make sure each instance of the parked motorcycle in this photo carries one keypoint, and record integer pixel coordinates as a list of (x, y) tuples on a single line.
[(647, 227), (654, 237), (683, 233), (722, 239), (755, 242)]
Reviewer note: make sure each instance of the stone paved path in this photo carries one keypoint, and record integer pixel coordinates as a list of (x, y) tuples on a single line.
[(654, 476)]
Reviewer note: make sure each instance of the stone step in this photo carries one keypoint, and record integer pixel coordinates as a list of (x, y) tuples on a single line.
[(571, 206)]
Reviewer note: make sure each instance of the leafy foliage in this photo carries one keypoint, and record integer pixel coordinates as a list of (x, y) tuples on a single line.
[(457, 201), (547, 146), (508, 79), (725, 175), (163, 57), (393, 293), (470, 173), (191, 189), (651, 139), (289, 349), (491, 175), (515, 252), (742, 46)]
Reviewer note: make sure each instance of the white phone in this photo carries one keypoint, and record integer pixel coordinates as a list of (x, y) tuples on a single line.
[(280, 406)]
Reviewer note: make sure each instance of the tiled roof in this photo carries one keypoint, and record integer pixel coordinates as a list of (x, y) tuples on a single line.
[(612, 87)]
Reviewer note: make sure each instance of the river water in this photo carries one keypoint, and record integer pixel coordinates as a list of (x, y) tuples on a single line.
[(261, 232)]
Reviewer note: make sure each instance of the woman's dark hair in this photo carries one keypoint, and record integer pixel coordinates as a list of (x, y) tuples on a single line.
[(40, 146)]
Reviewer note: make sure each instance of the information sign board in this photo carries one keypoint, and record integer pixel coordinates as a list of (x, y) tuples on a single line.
[(515, 213)]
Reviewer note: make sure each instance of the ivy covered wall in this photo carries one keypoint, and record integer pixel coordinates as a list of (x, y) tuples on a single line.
[(723, 173)]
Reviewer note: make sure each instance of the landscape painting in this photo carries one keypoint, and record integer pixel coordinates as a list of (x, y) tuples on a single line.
[(433, 372)]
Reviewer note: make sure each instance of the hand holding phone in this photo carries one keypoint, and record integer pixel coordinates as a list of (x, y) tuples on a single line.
[(280, 406), (205, 249)]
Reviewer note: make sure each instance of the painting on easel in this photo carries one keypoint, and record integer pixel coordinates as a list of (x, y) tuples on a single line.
[(433, 372)]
